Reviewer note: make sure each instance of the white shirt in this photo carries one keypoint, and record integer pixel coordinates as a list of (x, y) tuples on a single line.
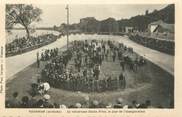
[(46, 86)]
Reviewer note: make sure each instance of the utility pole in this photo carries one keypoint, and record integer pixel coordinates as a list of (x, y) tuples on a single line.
[(67, 28)]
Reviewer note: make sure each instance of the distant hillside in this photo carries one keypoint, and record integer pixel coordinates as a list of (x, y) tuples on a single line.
[(141, 22)]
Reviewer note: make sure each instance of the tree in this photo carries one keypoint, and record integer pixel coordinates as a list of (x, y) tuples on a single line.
[(55, 27), (22, 14), (109, 25), (146, 12)]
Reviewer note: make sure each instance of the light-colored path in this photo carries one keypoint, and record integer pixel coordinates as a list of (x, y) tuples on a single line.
[(163, 60), (17, 63)]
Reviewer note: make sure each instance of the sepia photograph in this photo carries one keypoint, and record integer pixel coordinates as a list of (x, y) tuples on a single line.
[(90, 56)]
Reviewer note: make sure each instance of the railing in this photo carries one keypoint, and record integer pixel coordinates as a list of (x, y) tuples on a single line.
[(84, 85)]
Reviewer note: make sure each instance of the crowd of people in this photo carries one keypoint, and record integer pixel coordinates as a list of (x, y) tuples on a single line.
[(156, 44), (78, 69), (84, 72), (45, 102), (23, 44), (49, 53)]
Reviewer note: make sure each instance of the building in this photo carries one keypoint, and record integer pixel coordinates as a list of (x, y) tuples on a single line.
[(161, 29), (129, 29)]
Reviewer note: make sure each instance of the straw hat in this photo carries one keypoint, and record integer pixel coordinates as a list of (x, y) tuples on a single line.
[(125, 107), (62, 106), (119, 100), (109, 105), (86, 98), (78, 105), (47, 97), (95, 102)]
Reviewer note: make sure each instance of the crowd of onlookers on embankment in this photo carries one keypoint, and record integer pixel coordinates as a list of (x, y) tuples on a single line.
[(22, 45), (166, 46)]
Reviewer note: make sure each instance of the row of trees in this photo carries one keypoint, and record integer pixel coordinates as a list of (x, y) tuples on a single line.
[(139, 22), (25, 15)]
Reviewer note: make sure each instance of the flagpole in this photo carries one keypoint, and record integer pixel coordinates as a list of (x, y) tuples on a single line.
[(67, 8)]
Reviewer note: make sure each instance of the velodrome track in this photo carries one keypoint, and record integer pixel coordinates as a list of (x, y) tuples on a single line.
[(17, 63)]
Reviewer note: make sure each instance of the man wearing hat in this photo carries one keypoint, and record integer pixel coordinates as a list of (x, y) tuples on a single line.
[(78, 105), (118, 104), (46, 87), (62, 106), (86, 102), (46, 102), (95, 104), (135, 104)]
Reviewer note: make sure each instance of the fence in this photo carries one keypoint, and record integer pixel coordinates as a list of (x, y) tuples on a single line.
[(91, 85)]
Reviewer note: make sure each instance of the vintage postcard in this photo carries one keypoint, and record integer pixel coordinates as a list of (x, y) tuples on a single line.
[(96, 58)]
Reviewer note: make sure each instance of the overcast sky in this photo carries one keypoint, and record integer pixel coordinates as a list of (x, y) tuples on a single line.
[(56, 14)]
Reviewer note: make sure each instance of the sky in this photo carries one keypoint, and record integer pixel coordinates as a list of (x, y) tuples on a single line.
[(56, 14)]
